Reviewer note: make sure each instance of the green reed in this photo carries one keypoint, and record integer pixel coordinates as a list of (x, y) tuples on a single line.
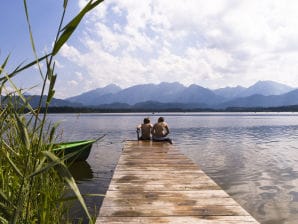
[(34, 182)]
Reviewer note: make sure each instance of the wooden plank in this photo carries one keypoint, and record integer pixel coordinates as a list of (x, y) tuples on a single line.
[(161, 173), (179, 220), (162, 187), (155, 175), (203, 194), (177, 201), (152, 168), (155, 183), (156, 160), (167, 210), (147, 180), (152, 156)]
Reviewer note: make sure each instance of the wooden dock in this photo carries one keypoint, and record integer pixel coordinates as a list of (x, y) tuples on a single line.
[(155, 183)]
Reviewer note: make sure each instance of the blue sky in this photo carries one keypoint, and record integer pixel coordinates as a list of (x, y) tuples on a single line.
[(214, 43)]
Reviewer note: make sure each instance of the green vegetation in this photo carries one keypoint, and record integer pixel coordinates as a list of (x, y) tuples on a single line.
[(66, 109), (34, 184)]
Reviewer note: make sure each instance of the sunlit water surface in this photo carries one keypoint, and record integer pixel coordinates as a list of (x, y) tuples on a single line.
[(252, 156)]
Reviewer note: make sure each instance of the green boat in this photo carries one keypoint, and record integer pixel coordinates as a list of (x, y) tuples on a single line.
[(76, 150)]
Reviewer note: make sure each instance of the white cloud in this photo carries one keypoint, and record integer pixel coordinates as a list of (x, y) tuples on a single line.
[(79, 76), (216, 43), (73, 83), (70, 52), (58, 64)]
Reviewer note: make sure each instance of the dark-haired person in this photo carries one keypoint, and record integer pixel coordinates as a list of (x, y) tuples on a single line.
[(145, 129), (160, 130)]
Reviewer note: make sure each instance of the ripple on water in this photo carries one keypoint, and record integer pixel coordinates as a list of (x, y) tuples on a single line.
[(253, 156)]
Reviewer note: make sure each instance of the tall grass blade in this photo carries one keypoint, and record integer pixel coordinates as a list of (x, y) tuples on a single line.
[(51, 92), (15, 168), (31, 37), (72, 25), (65, 2), (21, 96), (29, 26), (68, 178), (4, 64), (20, 68), (5, 199), (9, 148), (52, 132), (4, 210), (41, 168), (23, 133), (3, 220), (3, 113)]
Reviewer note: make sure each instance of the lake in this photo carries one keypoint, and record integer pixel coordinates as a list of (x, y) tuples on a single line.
[(252, 156)]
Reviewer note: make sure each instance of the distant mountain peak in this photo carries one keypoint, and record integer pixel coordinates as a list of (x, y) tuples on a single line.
[(266, 88), (112, 85), (229, 92), (87, 98), (170, 84), (111, 88), (267, 82)]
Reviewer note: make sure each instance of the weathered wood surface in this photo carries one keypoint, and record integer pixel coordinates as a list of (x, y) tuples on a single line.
[(155, 183)]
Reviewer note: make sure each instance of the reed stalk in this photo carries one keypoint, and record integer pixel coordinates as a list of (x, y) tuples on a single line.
[(34, 182)]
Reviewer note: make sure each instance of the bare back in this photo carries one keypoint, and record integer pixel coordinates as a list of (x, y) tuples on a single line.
[(160, 130), (146, 131)]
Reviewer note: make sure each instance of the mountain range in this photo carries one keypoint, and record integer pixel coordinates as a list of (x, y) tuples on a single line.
[(167, 96), (261, 94)]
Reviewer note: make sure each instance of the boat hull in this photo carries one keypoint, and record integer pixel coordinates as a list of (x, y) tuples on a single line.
[(79, 150)]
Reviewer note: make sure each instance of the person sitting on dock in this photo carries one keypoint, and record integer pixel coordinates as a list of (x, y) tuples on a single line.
[(145, 129), (160, 130)]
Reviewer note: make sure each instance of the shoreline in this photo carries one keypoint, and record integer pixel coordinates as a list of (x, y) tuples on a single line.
[(293, 108)]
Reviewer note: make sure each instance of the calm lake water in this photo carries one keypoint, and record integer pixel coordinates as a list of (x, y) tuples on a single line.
[(252, 156)]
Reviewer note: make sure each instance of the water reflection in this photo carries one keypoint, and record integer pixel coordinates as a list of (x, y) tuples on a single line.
[(257, 165), (252, 156), (81, 171)]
